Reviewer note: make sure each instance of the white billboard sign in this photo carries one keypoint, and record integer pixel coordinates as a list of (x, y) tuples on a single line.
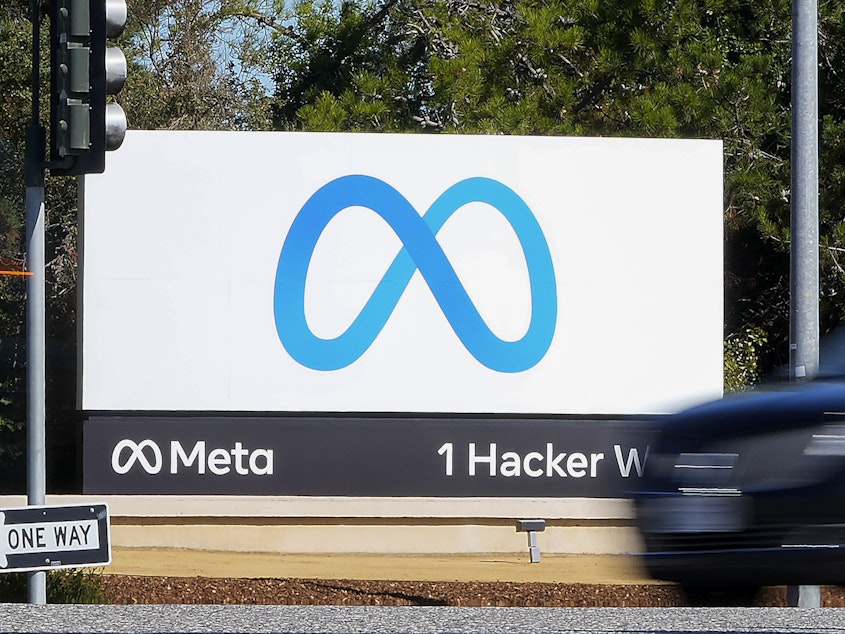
[(295, 272)]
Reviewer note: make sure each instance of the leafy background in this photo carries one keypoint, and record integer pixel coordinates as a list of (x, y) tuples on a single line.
[(652, 68)]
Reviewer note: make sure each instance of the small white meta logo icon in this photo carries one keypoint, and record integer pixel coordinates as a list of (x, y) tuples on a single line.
[(150, 464), (218, 462)]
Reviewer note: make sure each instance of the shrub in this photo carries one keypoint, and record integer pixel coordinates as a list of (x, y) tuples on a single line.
[(71, 585)]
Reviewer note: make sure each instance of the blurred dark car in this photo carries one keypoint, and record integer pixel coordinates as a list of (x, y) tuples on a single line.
[(749, 490)]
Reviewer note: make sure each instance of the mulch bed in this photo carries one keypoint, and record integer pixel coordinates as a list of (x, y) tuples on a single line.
[(121, 589)]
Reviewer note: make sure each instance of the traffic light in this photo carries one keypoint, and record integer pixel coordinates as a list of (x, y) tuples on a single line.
[(84, 70)]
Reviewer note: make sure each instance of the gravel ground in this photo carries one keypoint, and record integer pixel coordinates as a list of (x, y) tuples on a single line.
[(124, 589)]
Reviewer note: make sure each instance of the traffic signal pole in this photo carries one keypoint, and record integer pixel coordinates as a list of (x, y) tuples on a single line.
[(35, 306), (84, 125), (35, 363)]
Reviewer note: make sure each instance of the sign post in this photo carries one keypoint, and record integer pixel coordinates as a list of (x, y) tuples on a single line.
[(48, 537)]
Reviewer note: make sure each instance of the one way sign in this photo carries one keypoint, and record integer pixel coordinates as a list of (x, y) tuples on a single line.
[(43, 537)]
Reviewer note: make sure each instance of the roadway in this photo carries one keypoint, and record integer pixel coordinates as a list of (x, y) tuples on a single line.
[(411, 620)]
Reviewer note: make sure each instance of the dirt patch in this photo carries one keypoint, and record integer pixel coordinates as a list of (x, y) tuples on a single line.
[(125, 589)]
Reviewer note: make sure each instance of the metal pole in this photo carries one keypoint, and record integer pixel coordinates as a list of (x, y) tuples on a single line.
[(804, 273), (36, 410), (35, 301)]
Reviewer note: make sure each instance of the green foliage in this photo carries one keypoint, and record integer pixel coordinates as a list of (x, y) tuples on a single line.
[(15, 84), (350, 67), (71, 585), (688, 68), (684, 68), (742, 358), (195, 64)]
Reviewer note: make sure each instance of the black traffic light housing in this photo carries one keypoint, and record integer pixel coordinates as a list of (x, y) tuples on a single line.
[(84, 70)]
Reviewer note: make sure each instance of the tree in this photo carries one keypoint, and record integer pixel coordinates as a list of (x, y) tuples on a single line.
[(15, 81), (352, 67), (684, 68), (196, 64), (687, 68)]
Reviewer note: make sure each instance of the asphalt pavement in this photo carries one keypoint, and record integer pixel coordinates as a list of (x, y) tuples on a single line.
[(411, 620)]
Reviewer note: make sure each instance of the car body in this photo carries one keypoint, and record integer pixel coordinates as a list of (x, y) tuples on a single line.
[(749, 490)]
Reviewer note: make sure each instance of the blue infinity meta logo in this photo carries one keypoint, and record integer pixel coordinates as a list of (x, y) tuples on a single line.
[(422, 252)]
